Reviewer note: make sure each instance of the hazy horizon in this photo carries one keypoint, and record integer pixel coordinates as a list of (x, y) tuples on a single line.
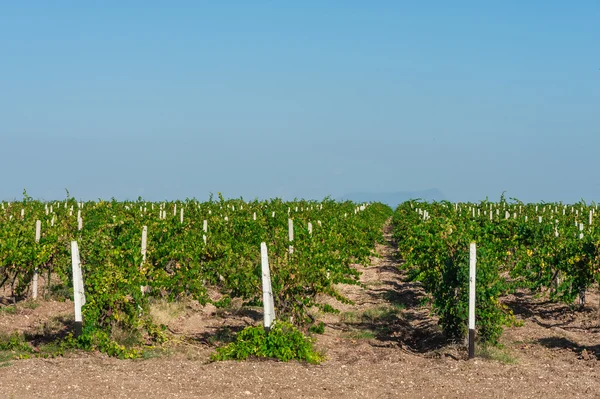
[(300, 100)]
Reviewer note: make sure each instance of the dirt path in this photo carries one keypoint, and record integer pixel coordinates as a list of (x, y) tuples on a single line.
[(385, 345), (387, 311)]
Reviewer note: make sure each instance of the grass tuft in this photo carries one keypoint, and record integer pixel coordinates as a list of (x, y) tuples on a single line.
[(496, 353)]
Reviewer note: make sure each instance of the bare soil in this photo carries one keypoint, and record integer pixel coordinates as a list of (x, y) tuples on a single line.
[(385, 344)]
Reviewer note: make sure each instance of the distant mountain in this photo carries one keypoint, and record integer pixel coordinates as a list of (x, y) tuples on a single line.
[(395, 198)]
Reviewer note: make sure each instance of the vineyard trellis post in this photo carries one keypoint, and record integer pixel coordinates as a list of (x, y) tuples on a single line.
[(78, 292), (38, 234), (291, 235), (268, 304), (472, 275)]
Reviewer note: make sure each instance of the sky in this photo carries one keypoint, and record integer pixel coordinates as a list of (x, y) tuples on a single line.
[(262, 99)]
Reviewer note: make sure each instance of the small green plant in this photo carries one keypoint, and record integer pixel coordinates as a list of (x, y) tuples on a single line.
[(350, 317), (283, 342), (223, 303), (30, 304), (497, 353), (16, 346), (14, 342), (100, 340), (13, 346), (326, 308), (11, 309), (359, 334), (318, 328), (152, 353), (381, 314)]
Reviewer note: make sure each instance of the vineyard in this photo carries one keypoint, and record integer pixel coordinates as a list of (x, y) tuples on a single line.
[(188, 248), (552, 249), (367, 285)]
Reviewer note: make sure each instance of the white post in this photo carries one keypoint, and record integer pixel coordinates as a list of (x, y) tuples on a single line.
[(310, 228), (175, 210), (205, 226), (78, 292), (38, 235), (291, 234), (591, 215), (38, 230), (144, 243), (472, 275), (268, 304), (181, 215)]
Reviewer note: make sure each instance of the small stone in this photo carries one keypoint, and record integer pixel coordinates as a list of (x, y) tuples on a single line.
[(585, 354)]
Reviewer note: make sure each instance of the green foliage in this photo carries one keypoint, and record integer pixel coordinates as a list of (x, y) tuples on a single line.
[(10, 309), (223, 303), (14, 342), (102, 341), (327, 308), (178, 262), (283, 342), (497, 353), (15, 346), (549, 248), (318, 328), (436, 249)]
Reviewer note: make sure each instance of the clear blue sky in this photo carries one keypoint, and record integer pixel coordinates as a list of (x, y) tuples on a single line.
[(300, 99)]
